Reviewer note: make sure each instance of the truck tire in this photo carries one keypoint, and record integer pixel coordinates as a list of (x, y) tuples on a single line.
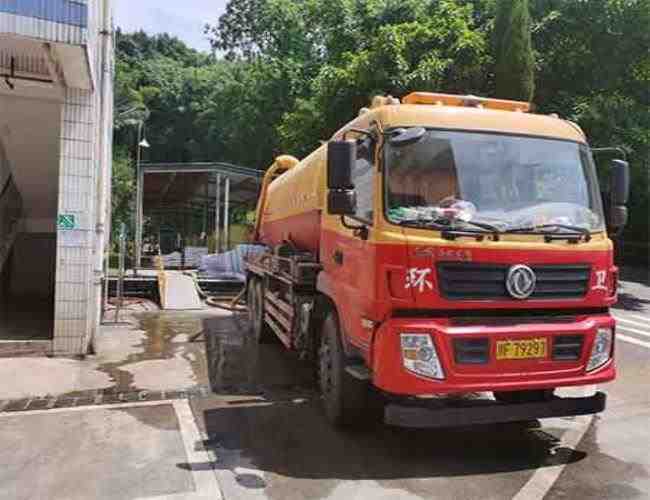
[(524, 396), (344, 397), (255, 302)]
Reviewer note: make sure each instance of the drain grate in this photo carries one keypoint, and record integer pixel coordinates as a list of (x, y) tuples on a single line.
[(92, 398)]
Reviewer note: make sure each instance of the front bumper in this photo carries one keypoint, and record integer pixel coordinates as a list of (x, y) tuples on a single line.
[(489, 412), (389, 375)]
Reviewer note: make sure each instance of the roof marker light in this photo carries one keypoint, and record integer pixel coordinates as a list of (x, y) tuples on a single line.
[(466, 100)]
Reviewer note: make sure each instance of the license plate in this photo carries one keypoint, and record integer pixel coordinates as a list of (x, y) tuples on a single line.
[(521, 349)]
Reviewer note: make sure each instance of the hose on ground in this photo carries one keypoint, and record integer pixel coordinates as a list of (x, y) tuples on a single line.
[(228, 306), (213, 301)]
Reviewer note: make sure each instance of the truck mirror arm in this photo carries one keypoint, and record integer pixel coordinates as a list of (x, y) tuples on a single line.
[(360, 231), (611, 149)]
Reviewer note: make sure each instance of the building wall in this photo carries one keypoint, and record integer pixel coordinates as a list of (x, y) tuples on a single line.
[(79, 39), (53, 20), (84, 192), (77, 167)]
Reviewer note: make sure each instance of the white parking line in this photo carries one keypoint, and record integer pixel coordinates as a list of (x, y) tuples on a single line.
[(644, 319), (205, 479), (635, 323), (633, 330), (543, 479), (632, 340)]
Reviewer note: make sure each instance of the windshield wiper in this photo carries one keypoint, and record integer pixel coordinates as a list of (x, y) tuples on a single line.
[(483, 225), (578, 231), (451, 230), (421, 223)]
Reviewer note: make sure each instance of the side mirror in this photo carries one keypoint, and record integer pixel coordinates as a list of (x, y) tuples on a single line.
[(341, 197), (620, 182), (341, 157), (619, 192), (342, 202)]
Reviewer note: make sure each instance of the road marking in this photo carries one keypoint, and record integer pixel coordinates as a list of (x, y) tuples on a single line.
[(633, 330), (543, 479), (643, 319), (632, 340), (205, 480), (636, 323)]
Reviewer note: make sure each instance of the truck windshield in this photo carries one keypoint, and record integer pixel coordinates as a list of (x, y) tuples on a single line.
[(508, 182)]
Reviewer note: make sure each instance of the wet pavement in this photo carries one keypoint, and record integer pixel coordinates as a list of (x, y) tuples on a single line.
[(160, 354), (276, 443), (246, 423), (151, 351)]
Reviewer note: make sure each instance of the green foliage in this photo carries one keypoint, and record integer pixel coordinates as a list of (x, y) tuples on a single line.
[(293, 72), (515, 64), (594, 68), (123, 192), (434, 48)]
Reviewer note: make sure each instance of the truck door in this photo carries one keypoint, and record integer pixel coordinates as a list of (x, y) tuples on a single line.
[(355, 274)]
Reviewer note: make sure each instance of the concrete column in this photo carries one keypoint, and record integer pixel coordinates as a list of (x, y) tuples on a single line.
[(74, 264)]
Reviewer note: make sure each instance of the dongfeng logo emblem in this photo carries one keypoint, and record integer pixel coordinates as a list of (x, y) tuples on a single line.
[(521, 281)]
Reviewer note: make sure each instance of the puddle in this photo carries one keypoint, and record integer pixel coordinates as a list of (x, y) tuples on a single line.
[(238, 364), (158, 354)]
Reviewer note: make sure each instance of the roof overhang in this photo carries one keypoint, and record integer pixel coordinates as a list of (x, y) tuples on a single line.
[(36, 68)]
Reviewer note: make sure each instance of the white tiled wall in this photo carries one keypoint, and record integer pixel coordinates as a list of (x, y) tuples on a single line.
[(74, 309)]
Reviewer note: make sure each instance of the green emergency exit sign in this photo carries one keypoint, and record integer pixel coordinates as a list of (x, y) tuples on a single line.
[(66, 221)]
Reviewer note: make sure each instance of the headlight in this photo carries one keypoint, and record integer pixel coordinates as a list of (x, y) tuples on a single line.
[(602, 349), (419, 355)]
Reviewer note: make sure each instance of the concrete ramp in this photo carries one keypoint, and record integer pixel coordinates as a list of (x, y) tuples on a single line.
[(178, 291)]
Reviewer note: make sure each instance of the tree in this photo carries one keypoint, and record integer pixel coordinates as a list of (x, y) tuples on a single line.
[(438, 50), (515, 63), (293, 72), (123, 189)]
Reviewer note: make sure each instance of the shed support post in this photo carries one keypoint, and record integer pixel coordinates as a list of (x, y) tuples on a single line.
[(139, 213), (217, 215), (226, 216)]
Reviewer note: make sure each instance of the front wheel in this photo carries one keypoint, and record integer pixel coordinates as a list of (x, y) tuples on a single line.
[(344, 397)]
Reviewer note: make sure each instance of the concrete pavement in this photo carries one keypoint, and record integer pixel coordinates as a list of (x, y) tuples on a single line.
[(257, 430)]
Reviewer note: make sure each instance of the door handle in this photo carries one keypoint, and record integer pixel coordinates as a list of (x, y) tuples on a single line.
[(338, 257)]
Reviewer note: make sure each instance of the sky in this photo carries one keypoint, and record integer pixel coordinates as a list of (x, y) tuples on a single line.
[(184, 19)]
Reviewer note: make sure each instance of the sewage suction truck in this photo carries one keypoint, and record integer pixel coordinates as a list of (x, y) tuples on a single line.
[(448, 256)]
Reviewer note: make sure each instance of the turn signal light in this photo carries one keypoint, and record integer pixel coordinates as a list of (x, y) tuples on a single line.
[(419, 355), (601, 352)]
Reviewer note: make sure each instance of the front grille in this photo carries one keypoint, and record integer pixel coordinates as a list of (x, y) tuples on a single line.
[(567, 347), (471, 351), (510, 320), (468, 281)]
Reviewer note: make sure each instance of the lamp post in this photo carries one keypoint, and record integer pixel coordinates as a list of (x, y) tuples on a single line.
[(139, 199)]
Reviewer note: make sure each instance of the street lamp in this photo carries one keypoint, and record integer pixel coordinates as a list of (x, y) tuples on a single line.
[(139, 209)]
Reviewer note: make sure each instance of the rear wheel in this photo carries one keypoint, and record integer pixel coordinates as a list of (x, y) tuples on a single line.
[(345, 398), (255, 302), (524, 396)]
